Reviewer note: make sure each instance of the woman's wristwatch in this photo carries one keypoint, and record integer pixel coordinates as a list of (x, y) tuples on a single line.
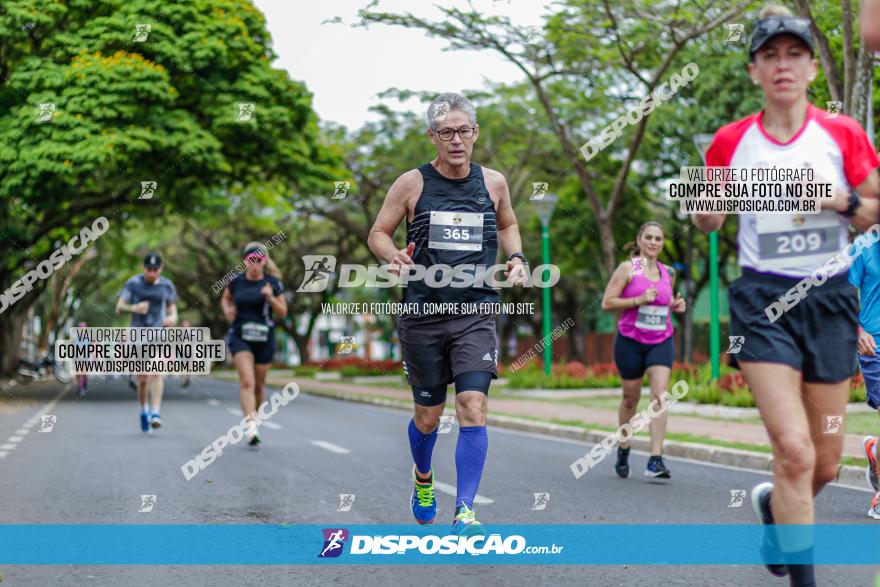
[(519, 256)]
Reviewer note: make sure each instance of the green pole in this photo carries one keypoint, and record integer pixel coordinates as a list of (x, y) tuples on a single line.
[(548, 346), (714, 310)]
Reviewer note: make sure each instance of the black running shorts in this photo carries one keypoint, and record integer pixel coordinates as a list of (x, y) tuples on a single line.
[(817, 336), (435, 352)]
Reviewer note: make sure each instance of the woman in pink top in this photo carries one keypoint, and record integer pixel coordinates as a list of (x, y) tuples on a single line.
[(641, 289)]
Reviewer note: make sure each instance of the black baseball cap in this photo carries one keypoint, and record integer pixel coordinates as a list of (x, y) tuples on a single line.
[(153, 261), (773, 26)]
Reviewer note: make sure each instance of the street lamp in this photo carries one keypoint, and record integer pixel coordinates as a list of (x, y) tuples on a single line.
[(544, 205), (702, 142)]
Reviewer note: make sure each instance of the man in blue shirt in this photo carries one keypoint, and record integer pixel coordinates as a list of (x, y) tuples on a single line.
[(865, 275), (152, 301)]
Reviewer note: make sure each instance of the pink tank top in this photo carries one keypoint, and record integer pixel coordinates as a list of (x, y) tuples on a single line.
[(649, 323)]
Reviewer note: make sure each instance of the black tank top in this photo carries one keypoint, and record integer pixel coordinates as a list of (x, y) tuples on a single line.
[(453, 224)]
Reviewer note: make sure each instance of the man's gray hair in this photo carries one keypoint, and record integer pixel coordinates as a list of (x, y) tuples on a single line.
[(448, 102)]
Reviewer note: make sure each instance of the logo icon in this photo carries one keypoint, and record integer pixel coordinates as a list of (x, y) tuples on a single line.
[(48, 422), (346, 500), (638, 265), (539, 189), (439, 110), (245, 111), (737, 497), (334, 540), (833, 424), (141, 32), (341, 190), (835, 107), (148, 188), (735, 32), (446, 423), (318, 271), (736, 344), (541, 500), (147, 503), (346, 346), (45, 112), (533, 34)]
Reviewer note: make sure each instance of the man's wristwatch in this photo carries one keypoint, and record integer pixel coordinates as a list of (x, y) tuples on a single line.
[(519, 256), (854, 202)]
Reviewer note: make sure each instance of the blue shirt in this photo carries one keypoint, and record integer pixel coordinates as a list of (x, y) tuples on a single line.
[(864, 273), (160, 294)]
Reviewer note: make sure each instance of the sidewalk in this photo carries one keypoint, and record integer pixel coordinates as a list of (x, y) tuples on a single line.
[(543, 410)]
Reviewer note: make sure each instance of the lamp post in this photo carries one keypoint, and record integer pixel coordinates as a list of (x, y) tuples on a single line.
[(544, 205), (702, 142)]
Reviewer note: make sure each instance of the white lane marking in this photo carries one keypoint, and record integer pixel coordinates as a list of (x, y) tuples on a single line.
[(330, 446), (450, 490), (213, 402), (25, 429), (266, 423)]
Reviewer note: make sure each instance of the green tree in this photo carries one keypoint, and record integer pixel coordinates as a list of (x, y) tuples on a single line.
[(122, 105)]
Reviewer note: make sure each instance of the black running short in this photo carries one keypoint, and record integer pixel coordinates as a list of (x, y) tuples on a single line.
[(262, 351), (633, 357), (817, 336), (437, 352)]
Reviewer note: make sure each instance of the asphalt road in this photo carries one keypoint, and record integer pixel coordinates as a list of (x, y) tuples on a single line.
[(95, 464)]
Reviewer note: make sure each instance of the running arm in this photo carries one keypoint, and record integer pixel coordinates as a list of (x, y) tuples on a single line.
[(394, 209), (612, 301)]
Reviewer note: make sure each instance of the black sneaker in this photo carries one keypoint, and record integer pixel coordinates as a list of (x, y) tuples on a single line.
[(761, 505), (622, 464), (656, 468)]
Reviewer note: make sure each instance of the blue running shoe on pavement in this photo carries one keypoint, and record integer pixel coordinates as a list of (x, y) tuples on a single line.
[(657, 468), (466, 524), (145, 422), (424, 504), (155, 420)]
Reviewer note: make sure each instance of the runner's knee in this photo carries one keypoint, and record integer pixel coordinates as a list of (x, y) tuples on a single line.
[(794, 455)]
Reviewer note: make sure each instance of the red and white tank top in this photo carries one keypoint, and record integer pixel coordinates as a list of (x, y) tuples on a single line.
[(836, 148)]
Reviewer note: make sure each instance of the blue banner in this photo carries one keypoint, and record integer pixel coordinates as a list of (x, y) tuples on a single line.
[(635, 544)]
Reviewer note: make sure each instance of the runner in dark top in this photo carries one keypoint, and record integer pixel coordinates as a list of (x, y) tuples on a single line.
[(457, 213), (152, 301), (250, 302)]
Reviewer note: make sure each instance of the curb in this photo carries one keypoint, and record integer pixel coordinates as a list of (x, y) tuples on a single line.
[(847, 475)]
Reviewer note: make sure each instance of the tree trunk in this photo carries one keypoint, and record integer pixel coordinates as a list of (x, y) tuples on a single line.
[(11, 322)]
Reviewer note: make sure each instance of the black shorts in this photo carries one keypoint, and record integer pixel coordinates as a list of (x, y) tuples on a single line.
[(437, 352), (633, 357), (817, 336), (262, 351)]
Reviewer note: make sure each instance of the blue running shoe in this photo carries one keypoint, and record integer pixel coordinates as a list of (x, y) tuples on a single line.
[(466, 524), (145, 422), (155, 420), (424, 504), (656, 468)]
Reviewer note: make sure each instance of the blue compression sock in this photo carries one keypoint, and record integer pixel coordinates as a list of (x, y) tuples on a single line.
[(422, 446), (470, 456)]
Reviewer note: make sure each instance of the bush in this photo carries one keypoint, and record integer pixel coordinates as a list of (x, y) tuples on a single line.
[(356, 366)]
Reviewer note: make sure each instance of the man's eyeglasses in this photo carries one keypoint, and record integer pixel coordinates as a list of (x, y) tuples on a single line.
[(447, 133)]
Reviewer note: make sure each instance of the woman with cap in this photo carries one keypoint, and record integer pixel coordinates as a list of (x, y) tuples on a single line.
[(642, 290), (249, 302), (797, 359)]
